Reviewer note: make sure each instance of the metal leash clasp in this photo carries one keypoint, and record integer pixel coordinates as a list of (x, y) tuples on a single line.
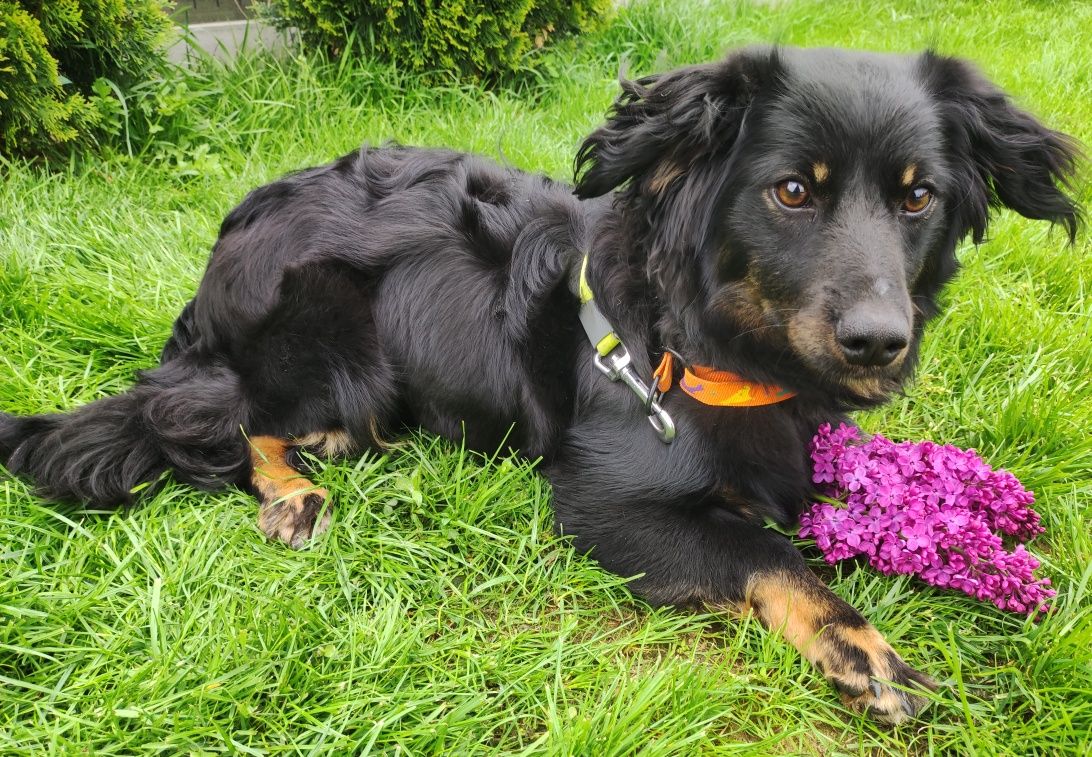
[(616, 366)]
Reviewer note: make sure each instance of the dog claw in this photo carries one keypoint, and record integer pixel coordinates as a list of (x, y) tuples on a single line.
[(908, 706), (890, 691)]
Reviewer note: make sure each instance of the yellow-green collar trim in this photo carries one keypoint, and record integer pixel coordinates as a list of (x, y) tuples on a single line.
[(596, 326)]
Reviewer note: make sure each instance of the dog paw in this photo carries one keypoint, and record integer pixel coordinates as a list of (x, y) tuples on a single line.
[(870, 676), (846, 648), (296, 519)]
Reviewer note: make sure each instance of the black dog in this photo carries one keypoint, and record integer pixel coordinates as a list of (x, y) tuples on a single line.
[(786, 216)]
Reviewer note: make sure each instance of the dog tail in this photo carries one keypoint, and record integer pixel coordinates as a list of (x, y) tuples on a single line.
[(179, 416)]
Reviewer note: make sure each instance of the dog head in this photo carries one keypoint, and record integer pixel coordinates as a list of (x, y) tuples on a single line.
[(798, 211)]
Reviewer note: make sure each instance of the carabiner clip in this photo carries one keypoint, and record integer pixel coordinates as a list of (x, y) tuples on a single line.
[(616, 366), (661, 421)]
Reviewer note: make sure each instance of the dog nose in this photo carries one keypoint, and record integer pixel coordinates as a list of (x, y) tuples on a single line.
[(872, 336)]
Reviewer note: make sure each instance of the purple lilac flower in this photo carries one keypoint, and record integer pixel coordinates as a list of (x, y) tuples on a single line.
[(925, 509)]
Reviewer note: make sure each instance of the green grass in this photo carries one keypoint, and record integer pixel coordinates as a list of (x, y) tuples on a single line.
[(440, 615)]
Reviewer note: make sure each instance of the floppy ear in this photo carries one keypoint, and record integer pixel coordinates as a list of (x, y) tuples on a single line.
[(663, 122), (1001, 154), (669, 143)]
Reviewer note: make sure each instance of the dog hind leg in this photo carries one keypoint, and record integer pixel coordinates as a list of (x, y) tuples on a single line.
[(292, 509), (319, 381)]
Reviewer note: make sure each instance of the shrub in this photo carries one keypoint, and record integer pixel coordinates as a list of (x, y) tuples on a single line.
[(465, 39), (64, 65)]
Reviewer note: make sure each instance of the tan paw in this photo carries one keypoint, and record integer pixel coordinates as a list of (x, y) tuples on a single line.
[(869, 674), (850, 652), (293, 510), (296, 519)]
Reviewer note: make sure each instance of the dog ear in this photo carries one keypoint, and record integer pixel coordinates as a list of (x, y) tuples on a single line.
[(668, 143), (662, 122), (1001, 154)]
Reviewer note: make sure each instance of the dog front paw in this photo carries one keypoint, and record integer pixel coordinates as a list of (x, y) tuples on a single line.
[(849, 651), (870, 675)]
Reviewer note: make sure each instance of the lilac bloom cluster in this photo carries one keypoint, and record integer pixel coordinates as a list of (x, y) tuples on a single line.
[(925, 509)]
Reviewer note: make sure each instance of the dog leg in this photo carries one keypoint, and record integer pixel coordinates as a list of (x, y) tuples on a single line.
[(868, 674), (686, 556), (292, 508)]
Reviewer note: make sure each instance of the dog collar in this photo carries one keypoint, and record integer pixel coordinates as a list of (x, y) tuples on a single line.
[(720, 388), (705, 384)]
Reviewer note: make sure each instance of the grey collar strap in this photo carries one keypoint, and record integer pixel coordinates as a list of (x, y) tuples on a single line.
[(612, 358)]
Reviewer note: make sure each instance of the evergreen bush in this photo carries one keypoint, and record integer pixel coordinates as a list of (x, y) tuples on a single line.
[(65, 65), (479, 40)]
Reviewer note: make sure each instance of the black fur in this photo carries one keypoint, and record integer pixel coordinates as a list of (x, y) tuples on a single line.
[(400, 287)]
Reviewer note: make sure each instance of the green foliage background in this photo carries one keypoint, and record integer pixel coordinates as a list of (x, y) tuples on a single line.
[(461, 39), (65, 64)]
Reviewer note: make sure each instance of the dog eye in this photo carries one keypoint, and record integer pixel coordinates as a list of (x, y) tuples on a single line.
[(917, 201), (792, 194)]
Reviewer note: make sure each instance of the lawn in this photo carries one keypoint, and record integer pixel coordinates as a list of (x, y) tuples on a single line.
[(440, 615)]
